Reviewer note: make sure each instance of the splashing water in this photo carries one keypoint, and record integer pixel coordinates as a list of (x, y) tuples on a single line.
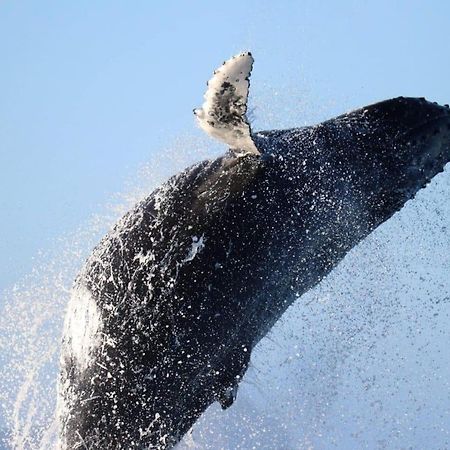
[(362, 360), (32, 311), (358, 362)]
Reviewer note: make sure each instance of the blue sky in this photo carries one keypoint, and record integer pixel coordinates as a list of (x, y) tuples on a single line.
[(91, 90)]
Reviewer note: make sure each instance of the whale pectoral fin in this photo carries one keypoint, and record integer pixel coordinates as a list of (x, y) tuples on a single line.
[(227, 397), (232, 375), (223, 114)]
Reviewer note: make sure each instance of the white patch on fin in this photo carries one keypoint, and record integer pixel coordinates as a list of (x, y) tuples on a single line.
[(223, 114)]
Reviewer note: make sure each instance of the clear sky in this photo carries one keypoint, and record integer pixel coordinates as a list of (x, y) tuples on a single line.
[(90, 90)]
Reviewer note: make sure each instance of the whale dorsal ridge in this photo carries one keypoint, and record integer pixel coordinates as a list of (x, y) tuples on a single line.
[(223, 113)]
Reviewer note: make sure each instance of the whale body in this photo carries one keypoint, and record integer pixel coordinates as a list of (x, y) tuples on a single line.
[(167, 309)]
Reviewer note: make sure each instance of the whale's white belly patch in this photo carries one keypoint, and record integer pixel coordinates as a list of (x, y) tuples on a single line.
[(82, 326)]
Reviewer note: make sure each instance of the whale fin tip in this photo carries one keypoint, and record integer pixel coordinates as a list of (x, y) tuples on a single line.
[(223, 113)]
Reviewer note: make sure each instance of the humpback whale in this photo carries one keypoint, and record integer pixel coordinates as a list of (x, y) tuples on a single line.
[(165, 313)]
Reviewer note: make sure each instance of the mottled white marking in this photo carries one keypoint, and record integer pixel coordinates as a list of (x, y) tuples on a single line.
[(196, 247), (144, 258), (223, 114), (82, 326)]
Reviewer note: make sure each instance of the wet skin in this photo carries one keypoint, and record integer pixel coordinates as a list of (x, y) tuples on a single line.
[(191, 279)]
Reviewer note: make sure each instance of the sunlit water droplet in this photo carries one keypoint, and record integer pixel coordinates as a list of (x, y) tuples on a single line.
[(361, 361)]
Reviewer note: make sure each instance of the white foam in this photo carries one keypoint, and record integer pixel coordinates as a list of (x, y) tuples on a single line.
[(196, 247)]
